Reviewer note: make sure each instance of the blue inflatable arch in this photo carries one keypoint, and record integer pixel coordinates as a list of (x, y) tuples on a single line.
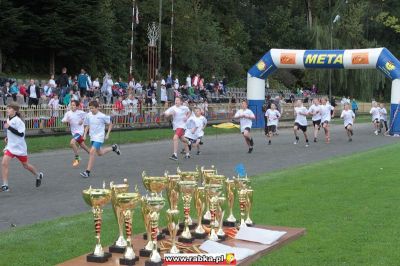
[(379, 58)]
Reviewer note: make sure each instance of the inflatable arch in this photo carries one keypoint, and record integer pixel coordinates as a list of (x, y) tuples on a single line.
[(379, 58)]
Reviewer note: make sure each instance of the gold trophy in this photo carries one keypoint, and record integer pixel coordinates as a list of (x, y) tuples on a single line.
[(220, 217), (97, 198), (154, 184), (119, 245), (249, 205), (230, 191), (173, 227), (199, 203), (187, 189), (242, 195), (172, 193), (205, 172), (214, 190), (127, 203)]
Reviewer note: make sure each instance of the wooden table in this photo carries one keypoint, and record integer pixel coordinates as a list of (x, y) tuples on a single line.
[(261, 250)]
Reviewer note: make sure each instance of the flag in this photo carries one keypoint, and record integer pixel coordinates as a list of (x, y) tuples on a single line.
[(133, 11), (137, 15), (226, 125)]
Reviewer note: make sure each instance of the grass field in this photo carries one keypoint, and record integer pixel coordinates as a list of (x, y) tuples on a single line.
[(348, 206), (39, 144)]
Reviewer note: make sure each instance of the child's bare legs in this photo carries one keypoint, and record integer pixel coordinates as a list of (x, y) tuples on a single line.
[(316, 128), (30, 168), (326, 129), (185, 144), (92, 155), (84, 147), (175, 141), (74, 146), (4, 168)]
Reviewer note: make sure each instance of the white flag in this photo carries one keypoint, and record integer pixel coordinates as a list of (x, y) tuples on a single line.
[(137, 15)]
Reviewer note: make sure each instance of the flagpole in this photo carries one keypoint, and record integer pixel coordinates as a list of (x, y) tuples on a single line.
[(172, 29), (159, 40), (132, 27)]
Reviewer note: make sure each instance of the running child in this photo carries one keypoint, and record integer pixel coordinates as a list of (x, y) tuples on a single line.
[(315, 111), (326, 115), (75, 119), (348, 119), (180, 114), (272, 116), (200, 132), (193, 126), (301, 113), (16, 146), (375, 116), (383, 118), (95, 122), (246, 116)]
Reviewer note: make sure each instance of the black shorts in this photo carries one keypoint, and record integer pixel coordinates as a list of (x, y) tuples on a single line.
[(376, 120), (246, 128), (350, 124), (192, 141), (326, 122), (302, 128), (271, 129), (317, 123)]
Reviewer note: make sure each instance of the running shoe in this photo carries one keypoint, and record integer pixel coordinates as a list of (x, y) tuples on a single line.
[(173, 157), (269, 142), (76, 162), (350, 139), (187, 156), (115, 149), (307, 144), (296, 142), (315, 139), (183, 151), (4, 188), (39, 179), (198, 153), (84, 174), (250, 150), (376, 132)]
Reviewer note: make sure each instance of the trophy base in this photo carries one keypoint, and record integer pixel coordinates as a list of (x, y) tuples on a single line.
[(146, 253), (191, 227), (150, 263), (250, 225), (123, 261), (159, 236), (229, 224), (186, 240), (92, 258), (116, 249), (205, 221), (200, 236), (222, 238)]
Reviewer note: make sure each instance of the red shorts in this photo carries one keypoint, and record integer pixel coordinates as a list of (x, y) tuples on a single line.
[(21, 158), (179, 132), (78, 138)]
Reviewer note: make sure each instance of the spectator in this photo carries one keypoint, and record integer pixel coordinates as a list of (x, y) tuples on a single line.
[(14, 90), (163, 96), (169, 81), (83, 82), (176, 83), (63, 83), (22, 91), (47, 90), (188, 81), (34, 93), (67, 99), (106, 89), (354, 106), (96, 86), (138, 87), (5, 92)]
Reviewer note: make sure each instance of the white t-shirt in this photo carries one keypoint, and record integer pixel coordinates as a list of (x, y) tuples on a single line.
[(200, 132), (164, 97), (301, 118), (96, 84), (347, 117), (383, 114), (273, 117), (52, 83), (188, 81), (16, 144), (193, 122), (54, 104), (179, 115), (325, 110), (32, 92), (245, 122), (176, 84), (315, 110), (375, 113), (97, 124), (74, 119)]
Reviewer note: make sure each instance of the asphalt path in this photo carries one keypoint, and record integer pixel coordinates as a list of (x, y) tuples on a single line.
[(61, 191)]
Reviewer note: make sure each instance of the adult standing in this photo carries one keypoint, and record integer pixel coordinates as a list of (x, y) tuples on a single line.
[(63, 83), (354, 105), (83, 82), (34, 93), (106, 89)]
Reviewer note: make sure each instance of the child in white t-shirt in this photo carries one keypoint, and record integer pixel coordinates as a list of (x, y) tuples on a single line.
[(272, 116), (16, 146), (246, 116), (376, 116), (95, 122), (75, 119), (300, 122), (326, 114), (383, 118), (348, 120), (315, 111), (193, 127)]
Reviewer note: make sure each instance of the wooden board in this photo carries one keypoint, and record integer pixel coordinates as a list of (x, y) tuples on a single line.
[(261, 250)]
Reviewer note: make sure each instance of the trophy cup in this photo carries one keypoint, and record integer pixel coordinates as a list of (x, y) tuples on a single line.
[(127, 202), (199, 203), (205, 172), (187, 188), (172, 193), (155, 185), (249, 205), (242, 204), (241, 182), (214, 190), (173, 227), (119, 245), (155, 203), (152, 184), (230, 191), (220, 217), (97, 198)]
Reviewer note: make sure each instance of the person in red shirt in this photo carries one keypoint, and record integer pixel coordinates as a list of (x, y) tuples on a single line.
[(22, 91)]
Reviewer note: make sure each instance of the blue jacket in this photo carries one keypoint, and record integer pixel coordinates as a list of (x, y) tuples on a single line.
[(354, 105), (14, 89), (83, 81)]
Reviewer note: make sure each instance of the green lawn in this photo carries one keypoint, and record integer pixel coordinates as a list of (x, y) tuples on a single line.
[(348, 206)]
